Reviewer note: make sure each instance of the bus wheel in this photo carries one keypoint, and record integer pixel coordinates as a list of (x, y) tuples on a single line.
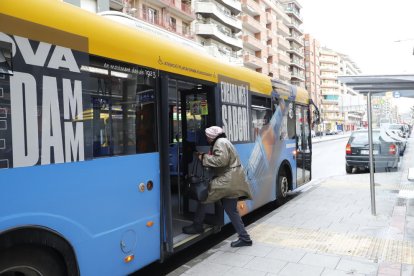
[(31, 261), (282, 186)]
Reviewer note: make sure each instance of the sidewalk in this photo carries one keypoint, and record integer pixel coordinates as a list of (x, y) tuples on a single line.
[(327, 229)]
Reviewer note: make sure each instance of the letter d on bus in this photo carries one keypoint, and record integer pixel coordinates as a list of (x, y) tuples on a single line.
[(25, 144)]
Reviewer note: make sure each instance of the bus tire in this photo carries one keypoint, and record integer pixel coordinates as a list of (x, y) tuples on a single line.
[(31, 260), (282, 186)]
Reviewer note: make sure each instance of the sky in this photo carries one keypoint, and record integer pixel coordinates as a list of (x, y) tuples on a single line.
[(366, 31)]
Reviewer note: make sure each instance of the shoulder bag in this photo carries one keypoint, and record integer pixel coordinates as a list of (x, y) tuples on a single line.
[(197, 185)]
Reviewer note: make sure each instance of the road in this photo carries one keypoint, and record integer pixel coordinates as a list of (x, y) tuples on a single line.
[(328, 158)]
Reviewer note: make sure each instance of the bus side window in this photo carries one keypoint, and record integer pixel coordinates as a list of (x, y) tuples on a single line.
[(261, 112), (123, 111), (287, 127)]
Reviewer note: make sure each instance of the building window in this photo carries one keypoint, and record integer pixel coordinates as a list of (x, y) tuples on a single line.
[(186, 29), (89, 5), (173, 24), (150, 15)]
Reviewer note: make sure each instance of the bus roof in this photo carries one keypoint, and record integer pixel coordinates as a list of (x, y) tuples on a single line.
[(63, 24)]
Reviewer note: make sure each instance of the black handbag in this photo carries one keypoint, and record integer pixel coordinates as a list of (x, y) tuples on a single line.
[(197, 186)]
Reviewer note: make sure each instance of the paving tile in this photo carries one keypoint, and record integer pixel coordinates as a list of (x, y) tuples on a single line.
[(238, 271), (231, 259), (334, 272), (208, 269), (286, 254), (266, 264), (343, 227), (391, 269), (355, 266), (257, 250), (320, 260), (292, 269)]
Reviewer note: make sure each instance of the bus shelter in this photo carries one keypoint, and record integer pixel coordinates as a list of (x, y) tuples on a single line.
[(400, 85)]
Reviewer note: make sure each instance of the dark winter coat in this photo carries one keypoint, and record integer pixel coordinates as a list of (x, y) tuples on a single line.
[(229, 179)]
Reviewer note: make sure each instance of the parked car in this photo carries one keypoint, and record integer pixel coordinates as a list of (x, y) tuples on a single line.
[(331, 132), (398, 129), (385, 150), (400, 141)]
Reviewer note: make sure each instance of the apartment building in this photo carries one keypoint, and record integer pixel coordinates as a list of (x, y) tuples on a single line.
[(217, 27), (258, 34), (331, 114), (174, 16), (312, 69), (353, 104), (297, 64), (342, 108), (264, 38)]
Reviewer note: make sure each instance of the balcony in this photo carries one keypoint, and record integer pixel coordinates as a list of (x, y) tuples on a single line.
[(296, 39), (216, 32), (251, 24), (263, 70), (330, 85), (297, 76), (327, 92), (234, 6), (328, 59), (175, 7), (329, 68), (329, 77), (219, 14), (223, 54), (283, 43), (296, 27), (251, 7), (295, 13), (278, 9), (297, 64), (282, 29), (284, 74), (296, 51), (252, 61), (330, 102), (271, 51), (156, 21), (271, 34), (270, 16), (283, 58), (273, 68), (253, 43)]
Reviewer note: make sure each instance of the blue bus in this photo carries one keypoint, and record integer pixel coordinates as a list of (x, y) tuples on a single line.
[(98, 122)]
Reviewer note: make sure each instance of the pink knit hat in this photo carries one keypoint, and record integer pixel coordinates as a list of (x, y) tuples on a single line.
[(213, 132)]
